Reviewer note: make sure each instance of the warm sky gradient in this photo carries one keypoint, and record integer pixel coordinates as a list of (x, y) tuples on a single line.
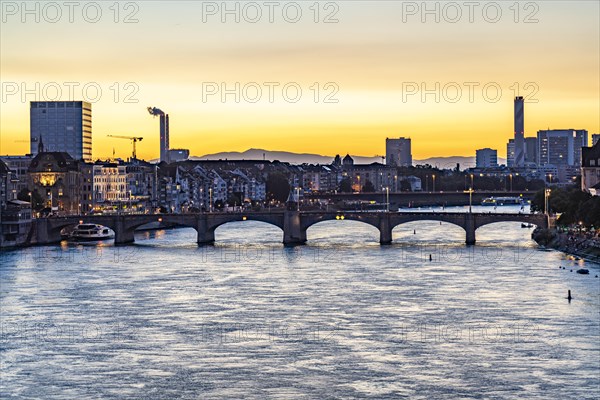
[(170, 52)]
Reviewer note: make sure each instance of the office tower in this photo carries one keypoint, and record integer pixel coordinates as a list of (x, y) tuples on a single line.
[(595, 138), (531, 150), (519, 159), (561, 146), (61, 126), (510, 153), (397, 152), (486, 158)]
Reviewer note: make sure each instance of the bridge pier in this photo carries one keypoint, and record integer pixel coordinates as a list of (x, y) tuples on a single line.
[(44, 234), (293, 233), (470, 228), (205, 234), (385, 230), (122, 234)]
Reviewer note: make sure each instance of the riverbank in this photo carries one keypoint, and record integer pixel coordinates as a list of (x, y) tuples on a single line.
[(576, 245)]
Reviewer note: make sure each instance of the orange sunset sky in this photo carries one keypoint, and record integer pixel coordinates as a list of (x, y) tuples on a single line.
[(371, 55)]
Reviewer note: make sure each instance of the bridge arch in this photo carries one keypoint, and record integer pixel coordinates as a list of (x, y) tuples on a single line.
[(534, 219), (345, 228), (453, 222), (316, 219), (431, 227), (220, 221)]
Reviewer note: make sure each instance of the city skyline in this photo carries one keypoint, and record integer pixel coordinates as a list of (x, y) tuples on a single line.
[(377, 81)]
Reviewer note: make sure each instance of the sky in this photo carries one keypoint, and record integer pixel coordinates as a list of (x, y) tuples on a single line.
[(306, 76)]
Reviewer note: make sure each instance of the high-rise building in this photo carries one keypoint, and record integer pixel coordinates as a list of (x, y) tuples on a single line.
[(398, 152), (531, 150), (486, 158), (519, 159), (164, 132), (61, 126), (164, 137), (595, 138), (510, 153), (561, 146)]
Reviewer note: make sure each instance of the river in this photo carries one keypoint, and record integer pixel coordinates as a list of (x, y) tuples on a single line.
[(342, 317)]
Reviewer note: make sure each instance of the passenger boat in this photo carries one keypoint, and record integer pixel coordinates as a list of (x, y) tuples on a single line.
[(524, 225), (91, 232), (502, 201)]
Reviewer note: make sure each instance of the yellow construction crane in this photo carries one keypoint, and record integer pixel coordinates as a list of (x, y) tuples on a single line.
[(133, 139)]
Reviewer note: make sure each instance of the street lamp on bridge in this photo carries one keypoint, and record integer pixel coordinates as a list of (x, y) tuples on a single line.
[(470, 191), (387, 203)]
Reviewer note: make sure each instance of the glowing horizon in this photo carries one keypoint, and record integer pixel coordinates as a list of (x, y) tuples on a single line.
[(372, 58)]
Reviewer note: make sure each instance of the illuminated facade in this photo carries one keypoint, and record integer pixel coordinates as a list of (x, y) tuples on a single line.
[(57, 179)]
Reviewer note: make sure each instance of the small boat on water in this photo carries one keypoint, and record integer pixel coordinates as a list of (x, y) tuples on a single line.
[(524, 225), (91, 232)]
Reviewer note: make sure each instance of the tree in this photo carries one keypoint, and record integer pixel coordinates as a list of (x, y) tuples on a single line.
[(278, 187), (405, 185), (346, 185), (235, 199), (368, 187), (36, 199)]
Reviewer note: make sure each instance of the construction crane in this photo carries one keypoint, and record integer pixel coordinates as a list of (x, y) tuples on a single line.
[(133, 139)]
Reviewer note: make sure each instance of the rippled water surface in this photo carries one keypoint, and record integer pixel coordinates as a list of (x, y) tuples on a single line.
[(341, 317)]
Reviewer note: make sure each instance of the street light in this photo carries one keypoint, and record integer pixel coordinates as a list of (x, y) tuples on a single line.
[(433, 177), (210, 203), (546, 198), (387, 204), (471, 199), (298, 198), (511, 176)]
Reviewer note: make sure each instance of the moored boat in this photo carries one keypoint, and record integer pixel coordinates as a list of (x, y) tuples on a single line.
[(91, 232)]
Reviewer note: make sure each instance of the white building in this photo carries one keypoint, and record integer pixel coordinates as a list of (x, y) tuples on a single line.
[(110, 185)]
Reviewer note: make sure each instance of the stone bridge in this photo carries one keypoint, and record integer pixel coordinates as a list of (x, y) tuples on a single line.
[(294, 224)]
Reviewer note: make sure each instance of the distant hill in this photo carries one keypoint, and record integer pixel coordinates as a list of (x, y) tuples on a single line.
[(300, 158)]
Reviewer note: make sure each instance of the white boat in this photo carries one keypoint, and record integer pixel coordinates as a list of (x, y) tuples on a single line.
[(502, 201), (91, 232)]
